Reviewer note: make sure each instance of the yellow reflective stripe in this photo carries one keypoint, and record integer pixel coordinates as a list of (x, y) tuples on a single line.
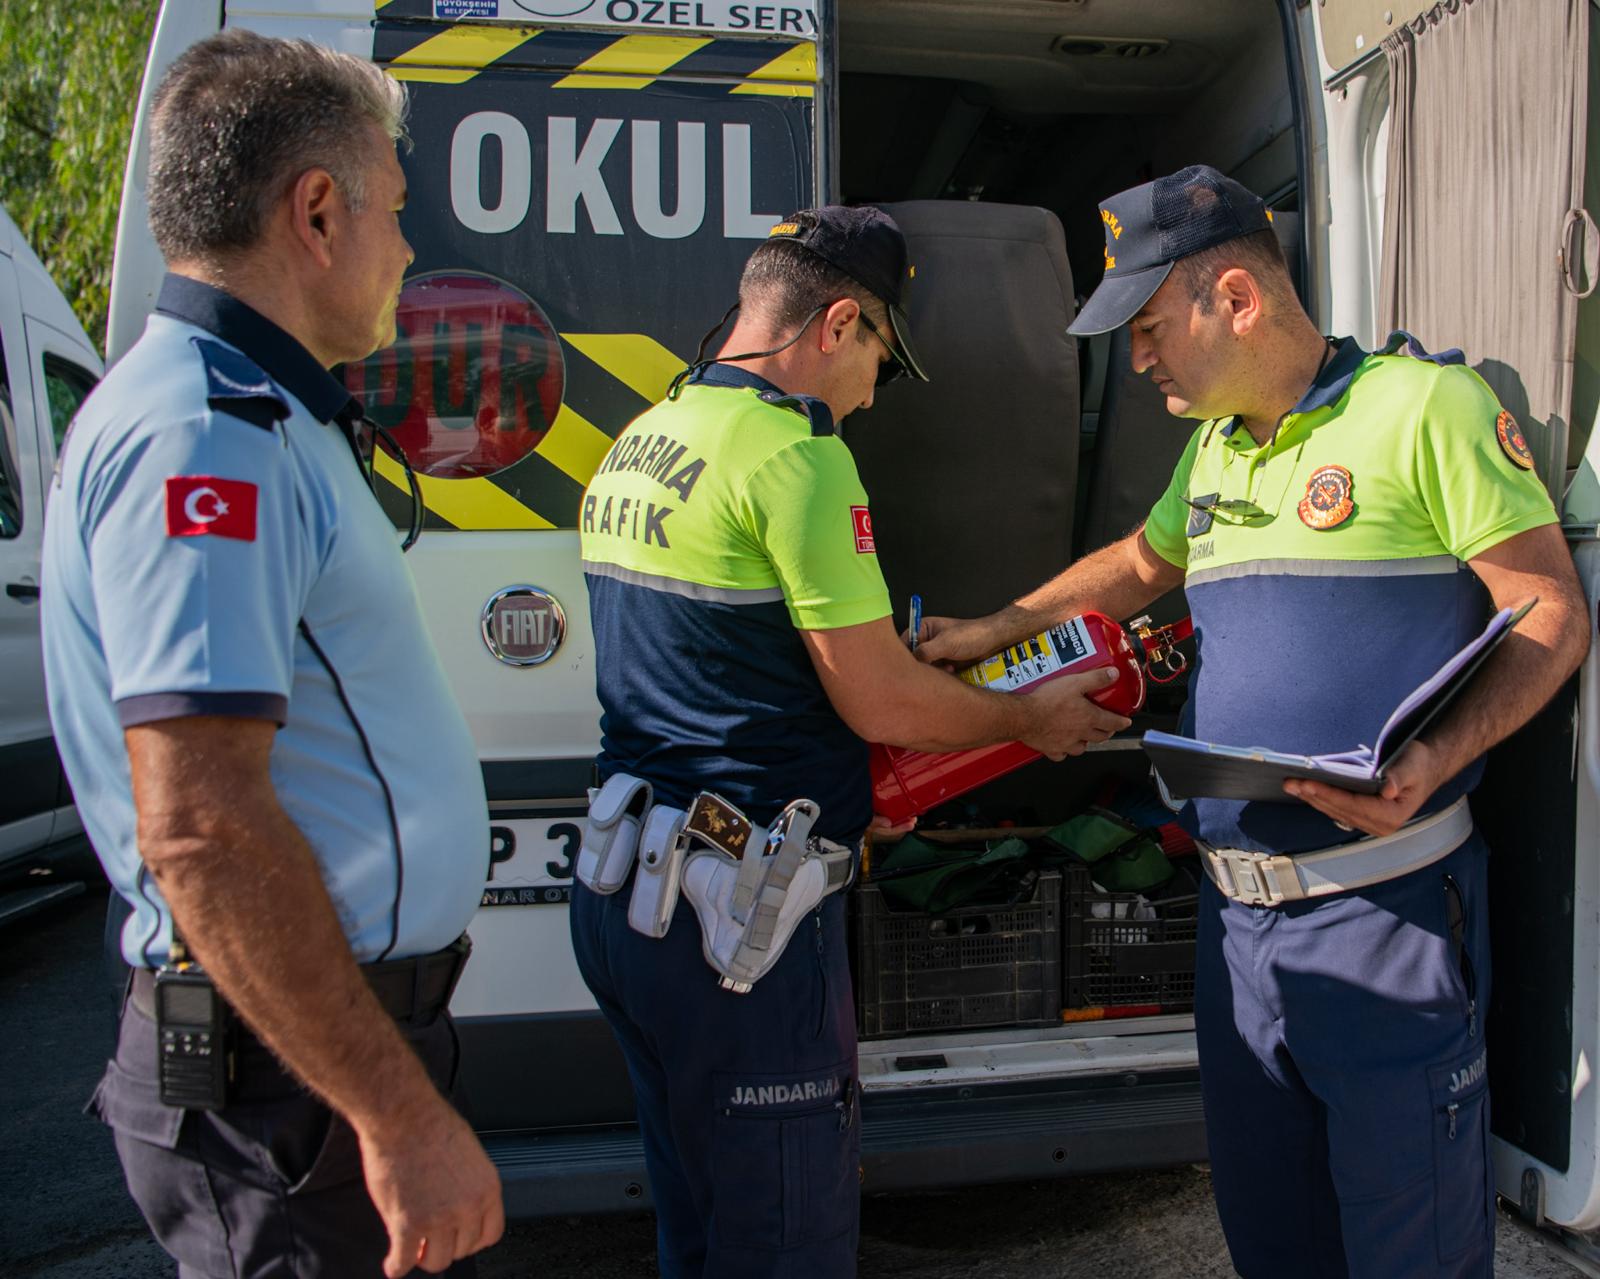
[(432, 75), (381, 4), (775, 90), (798, 63), (636, 360), (574, 445), (617, 65), (469, 504), (797, 66), (461, 46)]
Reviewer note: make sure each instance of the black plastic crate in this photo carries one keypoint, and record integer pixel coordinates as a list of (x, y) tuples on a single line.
[(974, 966), (1118, 962)]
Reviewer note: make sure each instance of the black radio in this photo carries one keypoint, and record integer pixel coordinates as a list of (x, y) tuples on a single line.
[(196, 1058)]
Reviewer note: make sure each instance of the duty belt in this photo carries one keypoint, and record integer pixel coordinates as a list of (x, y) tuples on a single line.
[(1268, 879), (749, 886), (413, 991)]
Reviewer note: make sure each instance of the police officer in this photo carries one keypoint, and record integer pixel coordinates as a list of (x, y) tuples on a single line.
[(1340, 521), (238, 677), (744, 647)]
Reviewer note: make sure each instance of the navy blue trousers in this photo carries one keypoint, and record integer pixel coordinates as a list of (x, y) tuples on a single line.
[(269, 1187), (1343, 1069), (747, 1103)]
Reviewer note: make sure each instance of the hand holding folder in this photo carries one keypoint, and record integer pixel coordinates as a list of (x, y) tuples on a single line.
[(1192, 769)]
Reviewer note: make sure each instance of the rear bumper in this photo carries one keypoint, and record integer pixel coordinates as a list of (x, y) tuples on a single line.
[(930, 1139)]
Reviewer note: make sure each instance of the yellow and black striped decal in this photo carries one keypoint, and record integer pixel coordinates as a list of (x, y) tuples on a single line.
[(595, 60)]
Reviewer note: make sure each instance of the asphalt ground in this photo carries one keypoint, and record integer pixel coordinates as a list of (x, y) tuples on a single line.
[(64, 1213)]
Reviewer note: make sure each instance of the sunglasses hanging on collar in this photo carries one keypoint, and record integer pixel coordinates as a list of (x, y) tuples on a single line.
[(354, 423)]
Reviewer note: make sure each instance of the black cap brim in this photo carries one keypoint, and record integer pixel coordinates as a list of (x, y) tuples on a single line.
[(1118, 300), (902, 341)]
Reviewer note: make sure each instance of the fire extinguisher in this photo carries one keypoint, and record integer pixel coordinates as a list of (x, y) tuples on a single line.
[(907, 783)]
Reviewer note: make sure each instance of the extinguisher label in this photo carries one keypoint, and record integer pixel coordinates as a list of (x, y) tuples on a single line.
[(1073, 641), (1056, 650)]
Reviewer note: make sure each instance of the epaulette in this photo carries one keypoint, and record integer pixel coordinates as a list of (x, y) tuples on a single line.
[(235, 385), (1402, 343), (808, 406)]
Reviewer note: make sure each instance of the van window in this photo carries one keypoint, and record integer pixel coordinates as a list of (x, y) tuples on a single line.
[(10, 486), (66, 386)]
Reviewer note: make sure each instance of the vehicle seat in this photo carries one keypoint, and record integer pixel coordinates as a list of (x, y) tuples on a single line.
[(1287, 225), (972, 475), (1137, 445)]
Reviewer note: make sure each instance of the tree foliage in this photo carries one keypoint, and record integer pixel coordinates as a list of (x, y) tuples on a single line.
[(69, 81)]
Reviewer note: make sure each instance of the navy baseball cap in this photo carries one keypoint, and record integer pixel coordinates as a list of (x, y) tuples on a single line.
[(867, 245), (1149, 228)]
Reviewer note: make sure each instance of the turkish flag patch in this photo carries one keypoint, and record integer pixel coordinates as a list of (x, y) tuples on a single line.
[(861, 518), (201, 504)]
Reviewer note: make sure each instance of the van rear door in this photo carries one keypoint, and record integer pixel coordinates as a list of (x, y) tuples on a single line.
[(581, 204)]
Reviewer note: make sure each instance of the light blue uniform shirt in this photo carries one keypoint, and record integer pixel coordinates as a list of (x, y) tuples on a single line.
[(213, 548)]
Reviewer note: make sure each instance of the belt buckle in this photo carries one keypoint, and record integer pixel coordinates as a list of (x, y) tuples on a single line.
[(1249, 884), (1258, 879)]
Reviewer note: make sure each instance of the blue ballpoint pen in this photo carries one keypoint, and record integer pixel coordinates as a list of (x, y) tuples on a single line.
[(916, 620)]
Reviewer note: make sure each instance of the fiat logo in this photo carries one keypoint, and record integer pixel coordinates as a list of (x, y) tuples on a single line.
[(523, 625)]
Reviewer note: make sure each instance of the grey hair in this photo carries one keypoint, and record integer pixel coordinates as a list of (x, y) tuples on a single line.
[(236, 121)]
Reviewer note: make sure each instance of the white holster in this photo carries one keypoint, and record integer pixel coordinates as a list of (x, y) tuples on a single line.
[(749, 907), (611, 839)]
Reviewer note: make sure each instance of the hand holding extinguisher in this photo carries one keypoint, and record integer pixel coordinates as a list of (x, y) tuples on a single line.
[(1070, 713)]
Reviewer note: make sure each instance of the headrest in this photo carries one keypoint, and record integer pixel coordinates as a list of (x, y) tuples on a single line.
[(972, 475)]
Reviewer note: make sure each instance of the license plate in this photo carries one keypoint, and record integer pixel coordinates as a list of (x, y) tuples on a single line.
[(531, 859)]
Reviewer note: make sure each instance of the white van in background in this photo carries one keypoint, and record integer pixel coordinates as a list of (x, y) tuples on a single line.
[(47, 367), (587, 179)]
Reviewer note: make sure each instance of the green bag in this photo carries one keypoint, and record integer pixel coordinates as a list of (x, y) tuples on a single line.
[(918, 875), (1125, 858)]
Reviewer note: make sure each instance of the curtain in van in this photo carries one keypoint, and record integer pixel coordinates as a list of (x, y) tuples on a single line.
[(1487, 113)]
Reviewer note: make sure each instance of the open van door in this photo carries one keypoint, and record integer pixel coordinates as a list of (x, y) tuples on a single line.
[(1390, 135)]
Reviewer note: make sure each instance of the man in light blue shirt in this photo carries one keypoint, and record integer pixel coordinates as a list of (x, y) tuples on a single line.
[(239, 681), (225, 557)]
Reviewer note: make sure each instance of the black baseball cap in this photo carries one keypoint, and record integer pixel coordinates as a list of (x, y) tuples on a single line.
[(1148, 228), (867, 245)]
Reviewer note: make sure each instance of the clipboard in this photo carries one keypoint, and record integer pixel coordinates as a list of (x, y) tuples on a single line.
[(1191, 769)]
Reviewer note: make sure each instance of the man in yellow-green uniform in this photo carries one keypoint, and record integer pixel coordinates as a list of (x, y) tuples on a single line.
[(1341, 522), (744, 647)]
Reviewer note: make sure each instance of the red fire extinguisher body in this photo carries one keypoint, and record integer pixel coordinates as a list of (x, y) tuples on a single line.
[(907, 783)]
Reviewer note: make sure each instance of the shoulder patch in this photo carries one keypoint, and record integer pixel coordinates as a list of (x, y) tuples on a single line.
[(1512, 442), (808, 406), (861, 526), (1402, 343), (235, 385)]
